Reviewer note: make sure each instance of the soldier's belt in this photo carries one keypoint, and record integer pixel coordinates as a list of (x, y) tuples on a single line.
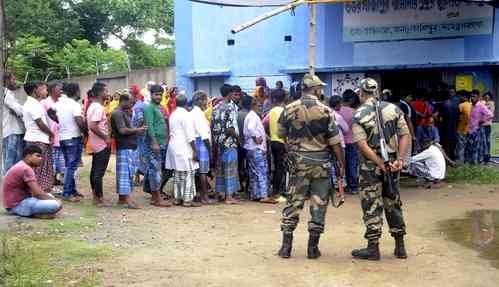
[(313, 156)]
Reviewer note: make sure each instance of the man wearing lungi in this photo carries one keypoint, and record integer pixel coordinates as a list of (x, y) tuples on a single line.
[(126, 144), (182, 156), (203, 138), (225, 140), (155, 146)]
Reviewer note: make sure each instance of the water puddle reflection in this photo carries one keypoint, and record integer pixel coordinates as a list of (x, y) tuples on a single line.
[(479, 230)]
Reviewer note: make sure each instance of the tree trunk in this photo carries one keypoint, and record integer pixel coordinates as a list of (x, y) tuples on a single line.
[(2, 71)]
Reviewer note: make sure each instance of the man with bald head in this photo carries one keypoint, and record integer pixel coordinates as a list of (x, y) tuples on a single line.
[(182, 154)]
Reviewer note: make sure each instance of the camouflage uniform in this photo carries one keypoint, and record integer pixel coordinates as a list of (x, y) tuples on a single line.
[(372, 183), (310, 129)]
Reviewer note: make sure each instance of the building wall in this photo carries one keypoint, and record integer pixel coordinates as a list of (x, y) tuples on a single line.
[(425, 51), (202, 32)]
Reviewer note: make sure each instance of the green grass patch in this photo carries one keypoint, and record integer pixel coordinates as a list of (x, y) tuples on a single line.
[(86, 222), (48, 260), (475, 174), (62, 226)]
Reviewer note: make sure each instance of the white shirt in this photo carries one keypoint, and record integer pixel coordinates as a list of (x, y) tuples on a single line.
[(67, 109), (434, 160), (342, 126), (201, 124), (33, 110), (12, 115), (182, 133), (253, 127)]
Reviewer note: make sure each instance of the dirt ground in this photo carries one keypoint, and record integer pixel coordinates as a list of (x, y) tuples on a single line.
[(223, 245)]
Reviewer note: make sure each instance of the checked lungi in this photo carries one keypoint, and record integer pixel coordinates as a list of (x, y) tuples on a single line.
[(155, 164), (45, 172), (125, 170), (257, 169), (227, 180), (184, 186), (58, 158), (419, 169), (203, 156), (474, 148)]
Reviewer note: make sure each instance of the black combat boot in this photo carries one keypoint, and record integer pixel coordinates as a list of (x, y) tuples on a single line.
[(399, 251), (287, 245), (313, 251), (369, 253)]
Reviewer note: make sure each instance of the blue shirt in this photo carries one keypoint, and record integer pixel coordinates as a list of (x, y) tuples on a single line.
[(137, 113), (425, 134)]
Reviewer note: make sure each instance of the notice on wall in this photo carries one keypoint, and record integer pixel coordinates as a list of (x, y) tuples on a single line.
[(385, 20), (345, 81), (464, 82)]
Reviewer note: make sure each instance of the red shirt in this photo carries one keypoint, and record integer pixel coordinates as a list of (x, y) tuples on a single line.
[(15, 187), (423, 110)]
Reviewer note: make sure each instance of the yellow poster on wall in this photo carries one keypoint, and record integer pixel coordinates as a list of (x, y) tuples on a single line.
[(464, 82)]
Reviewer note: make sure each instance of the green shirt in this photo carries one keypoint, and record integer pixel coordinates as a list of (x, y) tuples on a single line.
[(155, 123)]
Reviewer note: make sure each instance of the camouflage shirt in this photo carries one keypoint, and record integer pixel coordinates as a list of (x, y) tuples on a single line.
[(365, 125), (308, 125)]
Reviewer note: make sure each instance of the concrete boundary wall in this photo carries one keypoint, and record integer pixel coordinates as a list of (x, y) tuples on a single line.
[(117, 81)]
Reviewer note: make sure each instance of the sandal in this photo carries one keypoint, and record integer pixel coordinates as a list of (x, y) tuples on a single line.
[(268, 200), (161, 203), (130, 205), (77, 194), (191, 204), (208, 201), (231, 202), (71, 198)]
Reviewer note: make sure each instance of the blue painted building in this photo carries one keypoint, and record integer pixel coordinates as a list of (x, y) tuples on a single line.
[(385, 44)]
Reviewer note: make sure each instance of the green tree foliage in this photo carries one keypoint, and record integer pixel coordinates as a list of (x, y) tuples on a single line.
[(51, 36), (144, 56), (47, 19), (30, 55), (80, 57), (132, 17)]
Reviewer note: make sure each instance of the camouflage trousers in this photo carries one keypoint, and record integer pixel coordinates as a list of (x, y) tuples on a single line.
[(373, 204), (309, 178)]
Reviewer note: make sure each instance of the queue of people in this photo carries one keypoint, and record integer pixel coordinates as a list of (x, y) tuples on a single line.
[(236, 139)]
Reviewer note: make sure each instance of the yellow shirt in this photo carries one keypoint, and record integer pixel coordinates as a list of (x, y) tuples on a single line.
[(208, 112), (111, 107), (464, 118), (274, 115), (164, 101)]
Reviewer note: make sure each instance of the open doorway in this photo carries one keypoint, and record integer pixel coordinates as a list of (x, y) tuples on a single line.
[(404, 82)]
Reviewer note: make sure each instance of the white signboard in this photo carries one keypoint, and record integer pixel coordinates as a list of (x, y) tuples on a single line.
[(384, 20), (345, 81)]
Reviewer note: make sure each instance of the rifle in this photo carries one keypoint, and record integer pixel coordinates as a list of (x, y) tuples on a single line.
[(391, 192)]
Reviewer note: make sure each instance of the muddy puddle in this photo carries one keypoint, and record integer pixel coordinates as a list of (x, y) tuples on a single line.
[(478, 230)]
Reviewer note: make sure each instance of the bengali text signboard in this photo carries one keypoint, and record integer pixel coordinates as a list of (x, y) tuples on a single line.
[(385, 20)]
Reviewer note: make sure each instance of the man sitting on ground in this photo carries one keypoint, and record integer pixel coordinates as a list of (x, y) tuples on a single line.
[(430, 164), (23, 195)]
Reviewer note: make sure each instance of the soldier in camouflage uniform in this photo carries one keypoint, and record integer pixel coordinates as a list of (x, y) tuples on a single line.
[(311, 133), (373, 182)]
